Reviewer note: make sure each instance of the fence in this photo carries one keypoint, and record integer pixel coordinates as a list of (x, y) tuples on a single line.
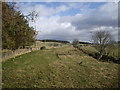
[(12, 54)]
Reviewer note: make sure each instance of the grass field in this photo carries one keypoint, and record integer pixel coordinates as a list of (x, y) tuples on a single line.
[(113, 51), (63, 67)]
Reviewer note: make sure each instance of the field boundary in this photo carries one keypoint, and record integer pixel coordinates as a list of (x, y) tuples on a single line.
[(18, 52)]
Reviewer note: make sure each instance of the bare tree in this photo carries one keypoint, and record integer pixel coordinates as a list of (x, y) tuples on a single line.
[(33, 15), (75, 43), (102, 40)]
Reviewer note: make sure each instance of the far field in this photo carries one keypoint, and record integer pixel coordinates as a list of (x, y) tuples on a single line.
[(61, 67)]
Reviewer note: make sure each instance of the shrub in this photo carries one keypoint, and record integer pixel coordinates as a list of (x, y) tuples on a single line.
[(42, 48)]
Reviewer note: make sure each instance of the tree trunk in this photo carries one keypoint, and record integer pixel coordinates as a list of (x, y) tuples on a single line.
[(99, 58)]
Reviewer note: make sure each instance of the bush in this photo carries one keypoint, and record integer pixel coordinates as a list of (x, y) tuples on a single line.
[(42, 48), (75, 43)]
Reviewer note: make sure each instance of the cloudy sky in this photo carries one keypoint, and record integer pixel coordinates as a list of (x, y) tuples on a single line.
[(70, 20)]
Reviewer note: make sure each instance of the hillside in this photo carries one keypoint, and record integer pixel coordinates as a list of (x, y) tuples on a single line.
[(62, 67)]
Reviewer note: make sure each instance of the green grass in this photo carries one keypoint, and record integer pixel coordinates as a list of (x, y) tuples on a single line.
[(89, 48), (44, 69), (113, 51)]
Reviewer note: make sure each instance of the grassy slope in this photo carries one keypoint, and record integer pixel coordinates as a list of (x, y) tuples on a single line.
[(44, 69), (114, 51)]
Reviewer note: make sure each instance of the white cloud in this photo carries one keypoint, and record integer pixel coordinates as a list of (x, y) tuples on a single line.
[(53, 26), (43, 10)]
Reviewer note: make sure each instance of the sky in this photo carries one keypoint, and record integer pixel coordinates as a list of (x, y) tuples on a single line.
[(72, 20)]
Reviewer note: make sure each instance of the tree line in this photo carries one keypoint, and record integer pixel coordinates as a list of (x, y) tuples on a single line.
[(59, 41), (16, 32)]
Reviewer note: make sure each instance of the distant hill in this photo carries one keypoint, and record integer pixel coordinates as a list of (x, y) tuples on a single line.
[(60, 41), (85, 43)]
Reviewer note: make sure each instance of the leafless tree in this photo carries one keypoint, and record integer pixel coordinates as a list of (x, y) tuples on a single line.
[(103, 40), (32, 16), (75, 43)]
